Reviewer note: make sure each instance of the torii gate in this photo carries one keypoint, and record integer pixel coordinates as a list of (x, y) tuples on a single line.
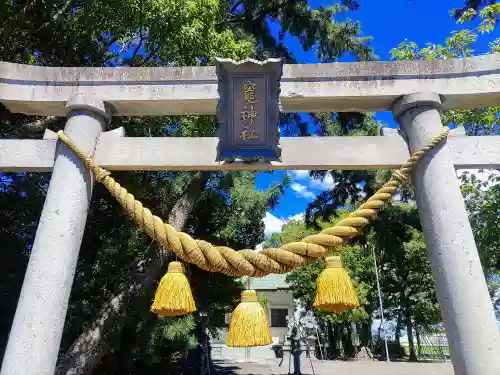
[(414, 91)]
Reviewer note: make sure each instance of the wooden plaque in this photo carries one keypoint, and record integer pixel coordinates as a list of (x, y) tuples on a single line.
[(248, 110)]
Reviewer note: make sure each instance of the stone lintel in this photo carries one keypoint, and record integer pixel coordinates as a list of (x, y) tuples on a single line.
[(116, 152), (363, 86)]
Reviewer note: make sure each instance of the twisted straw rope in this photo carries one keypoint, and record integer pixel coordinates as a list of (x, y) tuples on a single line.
[(248, 262)]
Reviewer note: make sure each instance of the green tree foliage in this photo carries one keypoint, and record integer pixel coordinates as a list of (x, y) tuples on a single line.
[(351, 188), (303, 285), (311, 27), (460, 44), (482, 199), (404, 271), (99, 32), (470, 8), (21, 195), (480, 194), (109, 328)]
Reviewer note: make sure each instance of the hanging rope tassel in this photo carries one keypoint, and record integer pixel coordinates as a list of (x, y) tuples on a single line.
[(173, 296), (249, 325), (334, 289)]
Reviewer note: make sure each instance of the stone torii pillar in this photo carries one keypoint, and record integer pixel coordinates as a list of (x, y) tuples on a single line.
[(38, 324), (461, 288)]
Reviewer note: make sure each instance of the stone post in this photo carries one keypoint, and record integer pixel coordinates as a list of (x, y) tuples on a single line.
[(461, 288), (41, 310)]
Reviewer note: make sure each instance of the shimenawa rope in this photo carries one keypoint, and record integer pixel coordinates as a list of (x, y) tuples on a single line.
[(248, 262)]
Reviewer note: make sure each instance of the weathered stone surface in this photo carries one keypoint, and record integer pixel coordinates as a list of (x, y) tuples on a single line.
[(38, 323), (318, 153), (366, 86)]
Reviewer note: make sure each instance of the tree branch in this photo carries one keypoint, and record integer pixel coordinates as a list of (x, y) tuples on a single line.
[(138, 47), (56, 16), (236, 5), (90, 347), (19, 17), (38, 125), (147, 58)]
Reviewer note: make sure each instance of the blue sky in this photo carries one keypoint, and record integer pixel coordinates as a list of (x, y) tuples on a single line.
[(389, 23)]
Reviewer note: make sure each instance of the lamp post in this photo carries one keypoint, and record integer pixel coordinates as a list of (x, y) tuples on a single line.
[(294, 335), (296, 349), (203, 345)]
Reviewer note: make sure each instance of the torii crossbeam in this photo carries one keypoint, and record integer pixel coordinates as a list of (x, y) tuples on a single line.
[(414, 91)]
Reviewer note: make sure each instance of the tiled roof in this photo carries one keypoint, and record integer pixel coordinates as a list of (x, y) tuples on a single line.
[(269, 282)]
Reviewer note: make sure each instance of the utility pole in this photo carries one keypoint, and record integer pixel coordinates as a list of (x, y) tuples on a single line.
[(381, 306)]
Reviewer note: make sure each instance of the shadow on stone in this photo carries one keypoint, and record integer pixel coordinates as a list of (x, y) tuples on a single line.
[(225, 368)]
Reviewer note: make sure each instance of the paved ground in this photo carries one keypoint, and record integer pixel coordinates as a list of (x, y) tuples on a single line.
[(262, 361), (270, 367)]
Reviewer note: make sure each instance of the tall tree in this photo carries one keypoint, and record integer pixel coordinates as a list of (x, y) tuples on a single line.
[(481, 193), (470, 8), (152, 33), (350, 186), (303, 286), (479, 189), (460, 44), (405, 274)]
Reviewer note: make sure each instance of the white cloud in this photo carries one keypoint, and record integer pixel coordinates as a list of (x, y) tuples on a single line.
[(259, 247), (272, 224), (323, 184), (300, 174), (299, 216), (302, 191)]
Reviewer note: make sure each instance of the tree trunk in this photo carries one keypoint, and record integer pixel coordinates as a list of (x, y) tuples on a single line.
[(89, 348), (419, 344), (397, 334), (409, 330), (340, 335), (365, 333), (210, 359), (366, 330), (39, 125), (201, 363), (352, 337), (332, 347), (347, 336)]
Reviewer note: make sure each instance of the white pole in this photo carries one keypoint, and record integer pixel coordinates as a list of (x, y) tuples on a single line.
[(381, 306), (319, 342)]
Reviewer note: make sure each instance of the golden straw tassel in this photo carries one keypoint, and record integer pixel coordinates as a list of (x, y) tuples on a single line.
[(334, 289), (173, 296), (249, 325)]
